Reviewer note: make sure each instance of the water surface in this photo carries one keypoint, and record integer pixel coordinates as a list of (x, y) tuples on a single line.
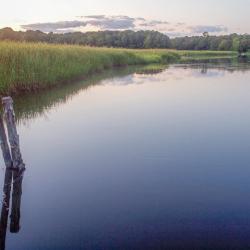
[(130, 160)]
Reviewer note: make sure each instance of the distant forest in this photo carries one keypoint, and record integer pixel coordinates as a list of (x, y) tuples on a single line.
[(133, 39)]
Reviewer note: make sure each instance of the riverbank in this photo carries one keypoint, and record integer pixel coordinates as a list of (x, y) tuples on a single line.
[(26, 67)]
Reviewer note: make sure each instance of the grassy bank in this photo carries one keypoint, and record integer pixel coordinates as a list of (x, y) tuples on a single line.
[(27, 66)]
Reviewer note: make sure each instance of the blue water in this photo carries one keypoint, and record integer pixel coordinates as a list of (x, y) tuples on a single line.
[(158, 161)]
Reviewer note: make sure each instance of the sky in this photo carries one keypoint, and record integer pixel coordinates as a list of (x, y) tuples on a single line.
[(172, 17)]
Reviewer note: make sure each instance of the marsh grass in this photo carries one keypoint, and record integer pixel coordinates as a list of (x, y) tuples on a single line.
[(27, 67)]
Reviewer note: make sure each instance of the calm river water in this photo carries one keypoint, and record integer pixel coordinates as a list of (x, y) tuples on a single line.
[(138, 159)]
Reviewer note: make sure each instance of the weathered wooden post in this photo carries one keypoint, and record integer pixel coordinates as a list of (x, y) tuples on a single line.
[(4, 145), (9, 116)]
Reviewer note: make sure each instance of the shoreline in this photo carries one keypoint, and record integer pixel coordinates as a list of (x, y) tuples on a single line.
[(30, 67)]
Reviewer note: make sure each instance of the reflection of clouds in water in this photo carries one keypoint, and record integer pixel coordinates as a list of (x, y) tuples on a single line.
[(180, 72), (41, 104), (208, 73), (135, 79), (126, 80), (172, 73)]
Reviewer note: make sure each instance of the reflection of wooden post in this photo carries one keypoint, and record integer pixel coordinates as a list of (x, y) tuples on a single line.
[(12, 132), (16, 201), (5, 207), (7, 184)]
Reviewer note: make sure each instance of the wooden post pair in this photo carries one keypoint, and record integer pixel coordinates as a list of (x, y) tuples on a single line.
[(13, 173)]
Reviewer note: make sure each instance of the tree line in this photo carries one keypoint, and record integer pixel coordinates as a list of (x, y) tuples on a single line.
[(133, 39), (232, 42)]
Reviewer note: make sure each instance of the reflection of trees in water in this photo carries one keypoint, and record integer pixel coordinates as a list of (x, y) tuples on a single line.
[(226, 65), (152, 69), (29, 106), (204, 69)]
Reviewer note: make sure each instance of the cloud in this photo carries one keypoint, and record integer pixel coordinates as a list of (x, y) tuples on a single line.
[(210, 29), (103, 22), (95, 16), (153, 23), (53, 27), (141, 19), (180, 24), (100, 22), (112, 22), (175, 34)]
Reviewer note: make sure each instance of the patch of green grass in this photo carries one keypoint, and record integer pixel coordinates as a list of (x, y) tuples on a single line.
[(31, 66)]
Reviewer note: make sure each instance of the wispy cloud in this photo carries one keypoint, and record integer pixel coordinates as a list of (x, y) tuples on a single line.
[(113, 22), (211, 29), (153, 23), (103, 22), (54, 27), (94, 16)]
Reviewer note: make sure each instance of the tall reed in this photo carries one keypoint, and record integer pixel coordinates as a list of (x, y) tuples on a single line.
[(31, 66)]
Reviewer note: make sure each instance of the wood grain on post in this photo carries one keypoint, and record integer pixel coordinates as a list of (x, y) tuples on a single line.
[(4, 145), (9, 116)]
